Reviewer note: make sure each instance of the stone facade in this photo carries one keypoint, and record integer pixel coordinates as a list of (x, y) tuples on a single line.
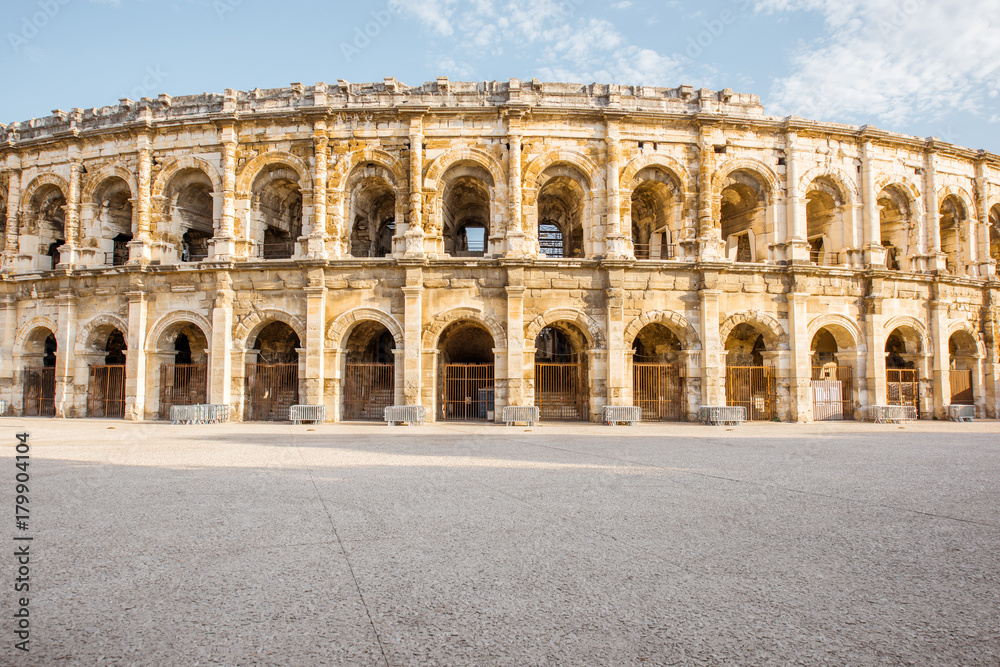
[(489, 223)]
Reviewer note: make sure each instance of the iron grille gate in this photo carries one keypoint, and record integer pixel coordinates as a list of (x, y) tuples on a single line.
[(39, 392), (753, 388), (106, 391), (833, 393), (270, 390), (559, 391), (368, 390), (658, 390), (182, 384), (468, 392), (902, 387), (961, 387)]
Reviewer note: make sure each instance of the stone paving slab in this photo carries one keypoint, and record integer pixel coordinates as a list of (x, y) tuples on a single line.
[(458, 544)]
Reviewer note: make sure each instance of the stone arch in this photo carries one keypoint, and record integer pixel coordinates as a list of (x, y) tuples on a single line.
[(766, 174), (775, 337), (587, 167), (115, 169), (668, 164), (252, 324), (88, 331), (844, 330), (28, 328), (440, 322), (162, 325), (962, 194), (339, 330), (346, 165), (454, 156), (177, 165), (910, 322), (905, 184), (48, 178), (587, 324), (967, 328), (847, 186), (250, 171), (672, 320)]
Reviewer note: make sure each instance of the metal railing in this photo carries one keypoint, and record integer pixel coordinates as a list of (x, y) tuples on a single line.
[(962, 413), (753, 388), (891, 414), (658, 390), (271, 389), (628, 414), (106, 391), (182, 384), (279, 250), (307, 413), (205, 413), (410, 414), (515, 414), (559, 391), (654, 250), (368, 390), (715, 415), (39, 392), (467, 392)]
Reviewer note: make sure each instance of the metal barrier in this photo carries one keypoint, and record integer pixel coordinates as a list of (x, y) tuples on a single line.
[(962, 413), (411, 414), (892, 414), (307, 413), (3, 408), (520, 413), (203, 413), (628, 414), (715, 415)]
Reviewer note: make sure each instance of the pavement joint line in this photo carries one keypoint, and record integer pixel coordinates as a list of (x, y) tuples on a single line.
[(343, 550)]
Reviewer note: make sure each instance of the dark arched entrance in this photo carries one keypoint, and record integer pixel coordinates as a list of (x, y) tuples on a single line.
[(106, 389), (749, 382), (39, 380), (466, 373), (657, 385), (272, 381), (369, 372), (183, 353), (561, 373)]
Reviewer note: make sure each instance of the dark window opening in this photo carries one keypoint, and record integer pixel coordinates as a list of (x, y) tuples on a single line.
[(182, 350), (550, 239), (49, 360), (119, 257), (115, 349)]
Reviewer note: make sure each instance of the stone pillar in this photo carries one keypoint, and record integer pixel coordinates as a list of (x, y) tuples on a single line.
[(616, 243), (941, 358), (713, 367), (66, 302), (220, 373), (315, 336), (7, 370), (987, 265), (876, 335), (796, 246), (515, 231), (11, 248), (873, 254), (71, 221), (936, 260), (316, 241), (135, 360), (515, 336), (412, 329), (800, 377), (991, 364), (140, 247), (711, 245), (415, 234), (224, 241), (615, 300)]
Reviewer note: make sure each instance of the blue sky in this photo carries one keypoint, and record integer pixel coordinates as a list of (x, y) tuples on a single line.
[(922, 67)]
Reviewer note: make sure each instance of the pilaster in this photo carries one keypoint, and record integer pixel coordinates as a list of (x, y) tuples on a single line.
[(71, 221), (140, 247), (515, 336), (616, 243), (936, 260), (9, 304), (220, 374), (987, 265), (415, 234), (515, 231), (800, 380), (712, 366), (873, 254), (315, 336), (11, 248), (66, 302), (315, 241), (875, 335), (940, 360), (135, 360), (615, 302), (412, 328), (224, 242), (797, 249)]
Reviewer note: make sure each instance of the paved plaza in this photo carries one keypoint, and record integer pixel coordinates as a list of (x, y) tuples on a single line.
[(243, 544)]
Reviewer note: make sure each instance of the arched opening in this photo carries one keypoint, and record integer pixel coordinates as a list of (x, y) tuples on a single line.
[(369, 372), (39, 375), (962, 352), (190, 214), (465, 208), (272, 381), (832, 375), (824, 220), (995, 233), (372, 212), (106, 388), (652, 208), (743, 216), (277, 211), (183, 355), (466, 371), (113, 199), (897, 226), (562, 203), (750, 382), (657, 374), (953, 223), (902, 351), (562, 373), (47, 214)]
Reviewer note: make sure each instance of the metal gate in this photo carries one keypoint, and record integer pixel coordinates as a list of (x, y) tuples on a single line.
[(961, 387), (468, 392), (182, 384), (659, 390), (368, 390), (903, 387), (559, 391), (753, 388), (39, 392), (833, 393), (270, 390), (106, 391)]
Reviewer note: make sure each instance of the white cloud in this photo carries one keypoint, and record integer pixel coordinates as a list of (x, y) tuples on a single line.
[(622, 5), (567, 45), (895, 61)]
